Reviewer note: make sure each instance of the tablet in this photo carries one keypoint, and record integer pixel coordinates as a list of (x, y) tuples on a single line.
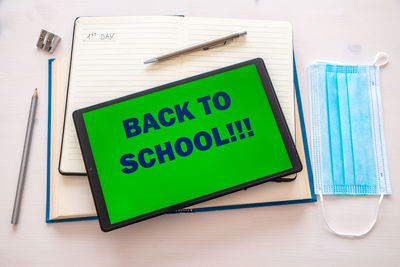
[(185, 142)]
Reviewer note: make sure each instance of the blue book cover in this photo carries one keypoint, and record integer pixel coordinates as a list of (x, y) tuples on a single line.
[(307, 162)]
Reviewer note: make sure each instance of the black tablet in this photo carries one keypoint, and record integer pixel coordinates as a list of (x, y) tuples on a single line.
[(185, 142)]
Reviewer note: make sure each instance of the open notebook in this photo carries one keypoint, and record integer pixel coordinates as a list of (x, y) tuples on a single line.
[(108, 54), (69, 197)]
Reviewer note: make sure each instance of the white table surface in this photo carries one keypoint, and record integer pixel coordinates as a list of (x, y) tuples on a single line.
[(346, 31)]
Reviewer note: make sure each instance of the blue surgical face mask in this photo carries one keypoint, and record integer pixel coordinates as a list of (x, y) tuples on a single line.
[(347, 141)]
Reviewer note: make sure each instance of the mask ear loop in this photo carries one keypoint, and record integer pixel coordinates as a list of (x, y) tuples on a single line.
[(350, 234), (381, 56)]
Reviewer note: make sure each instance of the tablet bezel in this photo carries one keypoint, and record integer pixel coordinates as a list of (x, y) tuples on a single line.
[(90, 166)]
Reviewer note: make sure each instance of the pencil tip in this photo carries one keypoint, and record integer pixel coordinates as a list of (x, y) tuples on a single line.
[(35, 93)]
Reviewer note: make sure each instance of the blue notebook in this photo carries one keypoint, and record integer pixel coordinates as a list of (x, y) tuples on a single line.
[(69, 197)]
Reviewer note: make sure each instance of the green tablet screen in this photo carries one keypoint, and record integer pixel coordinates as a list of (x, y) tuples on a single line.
[(184, 142)]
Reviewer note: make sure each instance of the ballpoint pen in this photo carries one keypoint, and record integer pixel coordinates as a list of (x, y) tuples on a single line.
[(202, 45)]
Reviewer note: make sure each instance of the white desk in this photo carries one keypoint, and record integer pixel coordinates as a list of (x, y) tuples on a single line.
[(347, 31)]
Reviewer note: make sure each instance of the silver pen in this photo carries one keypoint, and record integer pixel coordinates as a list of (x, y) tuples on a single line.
[(25, 154), (223, 40)]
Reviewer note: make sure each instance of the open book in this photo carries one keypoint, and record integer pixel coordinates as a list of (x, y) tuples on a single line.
[(108, 54), (69, 197)]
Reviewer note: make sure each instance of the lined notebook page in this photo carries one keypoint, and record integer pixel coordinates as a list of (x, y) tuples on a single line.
[(108, 55), (107, 62), (69, 196), (270, 40)]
